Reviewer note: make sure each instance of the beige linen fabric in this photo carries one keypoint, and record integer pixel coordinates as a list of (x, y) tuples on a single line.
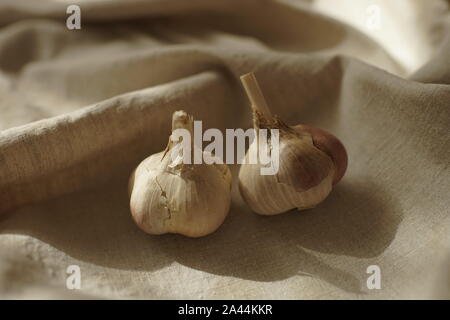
[(80, 109)]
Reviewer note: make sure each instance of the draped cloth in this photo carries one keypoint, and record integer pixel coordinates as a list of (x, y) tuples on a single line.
[(79, 109)]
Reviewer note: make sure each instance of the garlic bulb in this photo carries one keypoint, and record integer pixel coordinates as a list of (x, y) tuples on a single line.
[(311, 161), (168, 195)]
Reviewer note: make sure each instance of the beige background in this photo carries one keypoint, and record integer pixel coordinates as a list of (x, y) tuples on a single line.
[(104, 96)]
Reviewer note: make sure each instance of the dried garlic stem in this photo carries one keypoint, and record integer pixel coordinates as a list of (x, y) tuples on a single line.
[(181, 120), (255, 95)]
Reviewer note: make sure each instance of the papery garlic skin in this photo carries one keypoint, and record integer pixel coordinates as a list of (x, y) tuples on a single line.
[(298, 184), (189, 199), (328, 143)]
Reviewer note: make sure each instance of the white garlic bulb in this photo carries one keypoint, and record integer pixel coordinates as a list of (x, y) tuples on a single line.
[(170, 196), (310, 160)]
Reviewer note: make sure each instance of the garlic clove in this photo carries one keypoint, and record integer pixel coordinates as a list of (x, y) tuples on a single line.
[(329, 144), (302, 165), (173, 197), (266, 196)]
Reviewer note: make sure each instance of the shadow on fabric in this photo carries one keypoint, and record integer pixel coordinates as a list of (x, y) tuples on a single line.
[(353, 221)]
